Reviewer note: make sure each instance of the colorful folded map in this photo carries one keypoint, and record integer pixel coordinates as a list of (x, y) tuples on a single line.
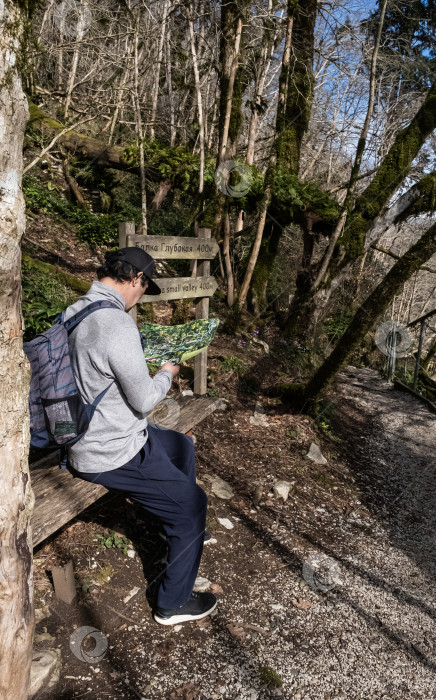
[(176, 343)]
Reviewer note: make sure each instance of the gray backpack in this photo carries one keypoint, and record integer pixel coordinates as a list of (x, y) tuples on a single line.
[(58, 415)]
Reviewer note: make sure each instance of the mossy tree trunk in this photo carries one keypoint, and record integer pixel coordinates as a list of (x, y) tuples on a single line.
[(389, 177), (230, 117), (231, 82), (303, 307), (351, 244), (296, 84), (370, 311), (16, 500)]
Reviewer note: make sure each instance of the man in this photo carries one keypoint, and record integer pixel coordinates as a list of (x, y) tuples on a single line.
[(155, 467)]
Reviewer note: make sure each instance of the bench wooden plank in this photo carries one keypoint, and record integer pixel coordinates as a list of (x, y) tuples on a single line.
[(59, 497)]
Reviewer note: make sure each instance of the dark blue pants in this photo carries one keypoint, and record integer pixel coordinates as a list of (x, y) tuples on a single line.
[(161, 477)]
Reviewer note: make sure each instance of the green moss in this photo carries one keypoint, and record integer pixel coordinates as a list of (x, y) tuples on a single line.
[(291, 193), (261, 275), (389, 177), (270, 677), (37, 115), (287, 147), (236, 116), (103, 574), (46, 293), (212, 210), (51, 270), (174, 163), (293, 117)]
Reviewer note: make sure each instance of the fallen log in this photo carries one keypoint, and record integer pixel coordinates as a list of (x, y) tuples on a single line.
[(75, 143)]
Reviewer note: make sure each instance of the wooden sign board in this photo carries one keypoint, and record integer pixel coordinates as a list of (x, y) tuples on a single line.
[(182, 288), (171, 247)]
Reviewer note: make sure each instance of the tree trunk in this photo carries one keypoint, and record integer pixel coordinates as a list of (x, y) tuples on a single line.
[(229, 122), (349, 197), (389, 177), (255, 250), (228, 260), (120, 92), (157, 67), (303, 307), (170, 85), (302, 303), (293, 113), (16, 501), (361, 224), (257, 272), (140, 132), (99, 152), (74, 187), (267, 42), (371, 310), (199, 96), (81, 29), (231, 31), (60, 67)]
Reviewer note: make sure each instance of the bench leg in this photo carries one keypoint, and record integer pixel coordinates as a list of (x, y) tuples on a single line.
[(64, 583)]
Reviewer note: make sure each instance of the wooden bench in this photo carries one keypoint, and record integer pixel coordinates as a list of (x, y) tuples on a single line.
[(59, 497)]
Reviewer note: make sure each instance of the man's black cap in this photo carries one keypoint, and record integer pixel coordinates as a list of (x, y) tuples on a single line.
[(143, 262)]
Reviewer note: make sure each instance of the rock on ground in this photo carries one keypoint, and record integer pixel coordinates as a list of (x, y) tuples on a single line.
[(281, 489), (316, 455), (222, 488), (45, 669)]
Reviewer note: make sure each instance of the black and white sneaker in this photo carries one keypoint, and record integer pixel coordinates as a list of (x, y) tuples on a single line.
[(199, 605)]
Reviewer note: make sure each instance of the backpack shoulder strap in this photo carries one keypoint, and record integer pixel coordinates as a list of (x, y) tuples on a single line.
[(83, 313)]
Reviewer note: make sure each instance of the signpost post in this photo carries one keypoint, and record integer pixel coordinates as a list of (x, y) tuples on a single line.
[(202, 311), (201, 248)]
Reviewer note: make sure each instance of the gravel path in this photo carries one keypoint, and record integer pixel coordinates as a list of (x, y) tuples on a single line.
[(328, 596), (389, 584), (345, 597)]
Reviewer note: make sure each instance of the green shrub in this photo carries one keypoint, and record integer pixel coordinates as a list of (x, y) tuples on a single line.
[(270, 677), (110, 540), (231, 363), (94, 229), (44, 297), (98, 230), (335, 326)]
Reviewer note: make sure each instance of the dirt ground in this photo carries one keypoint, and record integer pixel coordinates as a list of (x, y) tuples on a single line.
[(327, 595)]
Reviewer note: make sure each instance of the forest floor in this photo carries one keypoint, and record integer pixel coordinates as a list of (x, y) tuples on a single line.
[(327, 595)]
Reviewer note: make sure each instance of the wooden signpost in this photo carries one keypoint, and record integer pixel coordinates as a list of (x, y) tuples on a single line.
[(182, 288), (165, 247), (201, 286)]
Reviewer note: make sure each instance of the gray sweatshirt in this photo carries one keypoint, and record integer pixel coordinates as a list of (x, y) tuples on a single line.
[(106, 350)]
